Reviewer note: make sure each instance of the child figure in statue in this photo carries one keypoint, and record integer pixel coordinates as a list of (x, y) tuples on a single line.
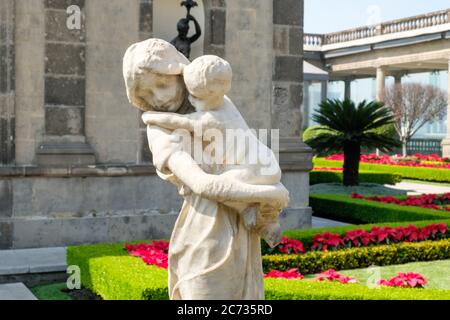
[(208, 80)]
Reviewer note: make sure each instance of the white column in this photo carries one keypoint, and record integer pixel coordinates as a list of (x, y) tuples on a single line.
[(348, 89), (381, 82), (446, 141)]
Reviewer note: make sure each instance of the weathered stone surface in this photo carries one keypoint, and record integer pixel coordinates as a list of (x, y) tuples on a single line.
[(281, 39), (63, 4), (65, 59), (218, 25), (5, 199), (288, 12), (281, 95), (296, 41), (146, 17), (64, 91), (296, 93), (218, 3), (288, 69), (146, 155), (60, 121), (6, 231), (56, 29), (7, 56)]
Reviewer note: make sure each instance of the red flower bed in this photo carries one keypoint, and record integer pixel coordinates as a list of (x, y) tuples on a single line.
[(378, 235), (405, 280), (333, 275), (416, 160), (289, 246), (154, 253), (290, 274), (427, 201)]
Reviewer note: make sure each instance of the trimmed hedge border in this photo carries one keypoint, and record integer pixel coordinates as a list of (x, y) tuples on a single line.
[(355, 258), (306, 236), (317, 177), (415, 173), (345, 208), (109, 271)]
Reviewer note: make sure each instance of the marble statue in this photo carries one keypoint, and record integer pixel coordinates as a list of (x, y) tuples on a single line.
[(208, 80), (214, 249)]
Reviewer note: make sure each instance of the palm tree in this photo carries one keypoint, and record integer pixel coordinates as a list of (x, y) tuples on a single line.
[(348, 128)]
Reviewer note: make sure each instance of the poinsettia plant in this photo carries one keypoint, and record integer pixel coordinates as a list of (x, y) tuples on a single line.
[(405, 280), (333, 275), (427, 201), (290, 274), (154, 253)]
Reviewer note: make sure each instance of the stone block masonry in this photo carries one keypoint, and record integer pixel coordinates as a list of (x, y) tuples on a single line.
[(65, 84), (7, 83)]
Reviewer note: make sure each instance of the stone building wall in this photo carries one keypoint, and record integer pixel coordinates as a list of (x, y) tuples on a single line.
[(78, 168)]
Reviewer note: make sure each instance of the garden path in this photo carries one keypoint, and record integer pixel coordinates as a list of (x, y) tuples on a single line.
[(15, 291), (415, 188)]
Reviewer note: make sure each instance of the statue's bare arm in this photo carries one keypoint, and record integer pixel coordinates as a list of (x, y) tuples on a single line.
[(173, 121), (222, 189)]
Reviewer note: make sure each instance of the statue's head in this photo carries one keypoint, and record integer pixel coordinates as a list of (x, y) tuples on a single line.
[(183, 27), (152, 71)]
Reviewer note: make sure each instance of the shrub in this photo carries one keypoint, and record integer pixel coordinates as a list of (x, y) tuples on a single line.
[(344, 208), (354, 258), (282, 289), (109, 271), (317, 177), (112, 273), (306, 236)]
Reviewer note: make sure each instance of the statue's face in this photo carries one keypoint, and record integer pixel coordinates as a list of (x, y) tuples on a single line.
[(183, 27), (164, 93)]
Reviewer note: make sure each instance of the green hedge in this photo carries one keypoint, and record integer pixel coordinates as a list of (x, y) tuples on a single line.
[(281, 289), (317, 177), (354, 258), (112, 273), (306, 236), (109, 271), (415, 173), (345, 208)]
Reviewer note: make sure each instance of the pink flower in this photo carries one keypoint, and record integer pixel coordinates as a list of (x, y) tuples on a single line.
[(289, 246), (405, 280), (154, 253), (333, 275), (290, 274)]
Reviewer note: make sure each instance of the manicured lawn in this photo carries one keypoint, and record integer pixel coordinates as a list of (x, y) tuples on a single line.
[(436, 272), (51, 292), (367, 189)]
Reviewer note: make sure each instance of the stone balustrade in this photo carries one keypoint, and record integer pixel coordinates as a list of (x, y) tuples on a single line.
[(401, 25)]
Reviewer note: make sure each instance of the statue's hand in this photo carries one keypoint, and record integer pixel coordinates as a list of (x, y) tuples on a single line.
[(251, 216)]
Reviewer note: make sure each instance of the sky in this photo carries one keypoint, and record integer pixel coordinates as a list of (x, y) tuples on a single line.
[(324, 16)]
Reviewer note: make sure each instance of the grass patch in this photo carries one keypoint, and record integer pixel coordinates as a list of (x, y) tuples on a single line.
[(317, 177), (51, 292), (280, 289), (436, 272)]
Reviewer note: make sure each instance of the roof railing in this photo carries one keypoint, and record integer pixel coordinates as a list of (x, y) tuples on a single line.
[(394, 26)]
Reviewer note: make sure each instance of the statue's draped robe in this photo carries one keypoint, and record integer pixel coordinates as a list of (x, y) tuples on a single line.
[(211, 255)]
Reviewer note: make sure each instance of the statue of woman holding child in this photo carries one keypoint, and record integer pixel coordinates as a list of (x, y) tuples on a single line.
[(214, 251)]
